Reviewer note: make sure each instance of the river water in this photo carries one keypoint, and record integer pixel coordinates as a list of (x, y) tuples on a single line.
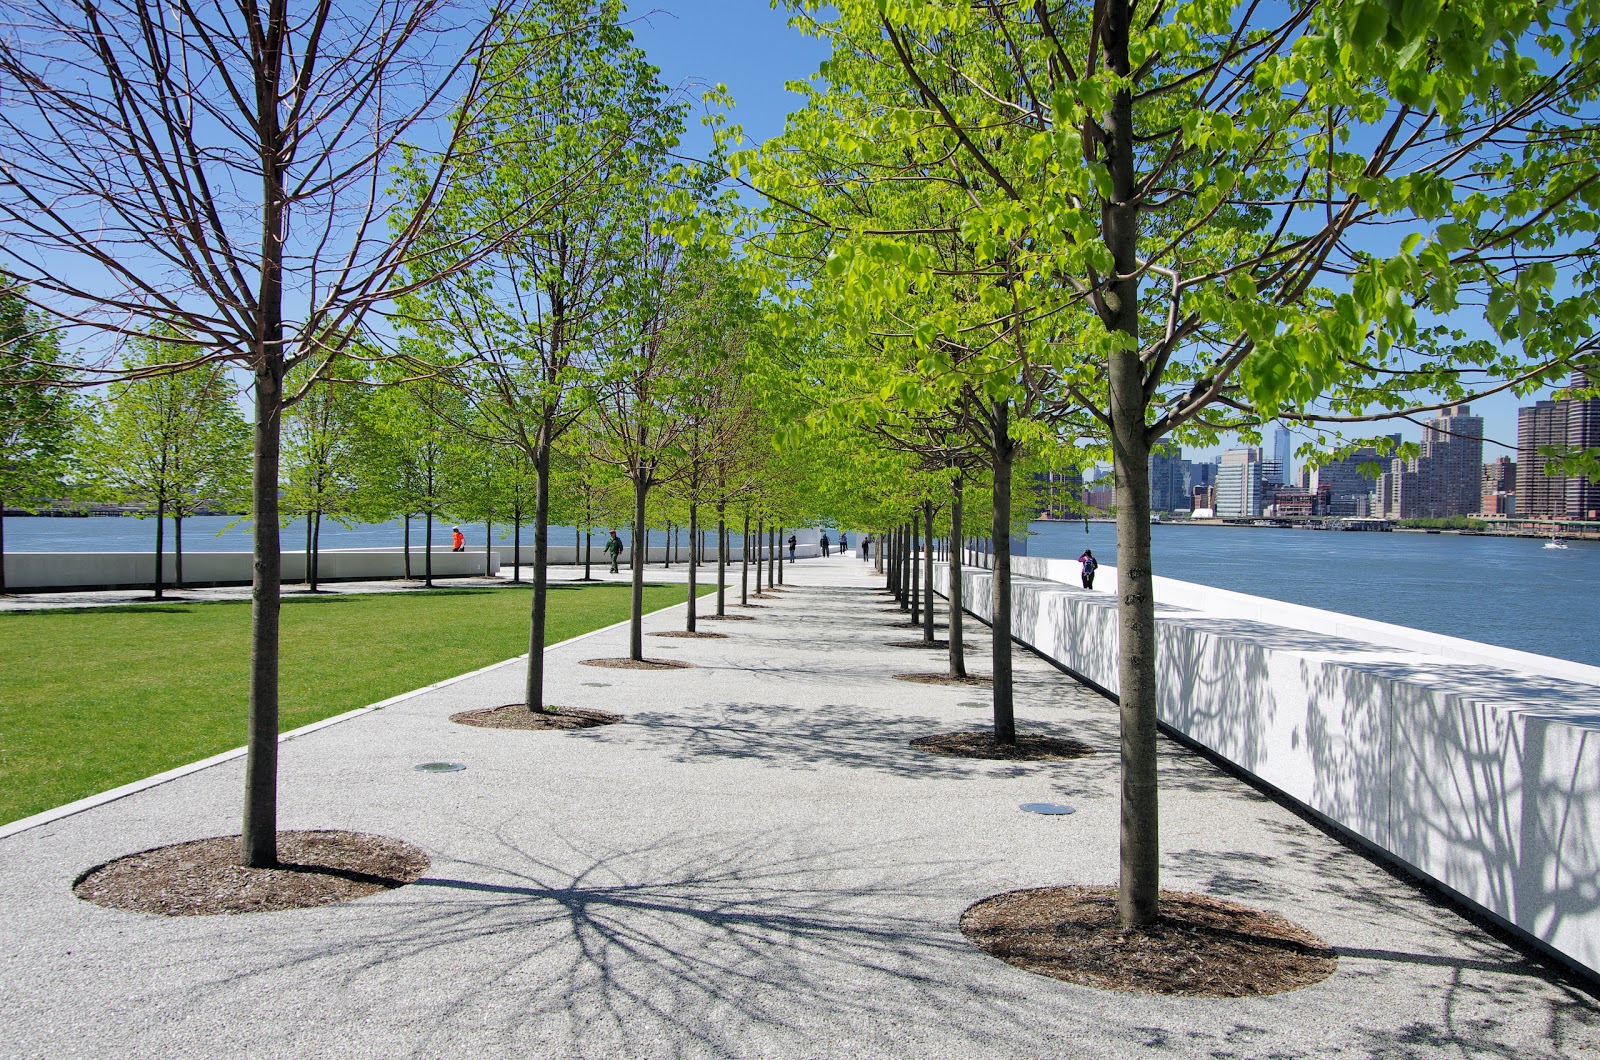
[(1507, 591)]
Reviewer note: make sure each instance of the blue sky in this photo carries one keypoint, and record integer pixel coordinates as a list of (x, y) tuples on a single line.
[(748, 46)]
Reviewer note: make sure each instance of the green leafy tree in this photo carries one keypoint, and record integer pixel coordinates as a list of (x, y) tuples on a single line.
[(1197, 219), (36, 409), (321, 457), (173, 443), (583, 132)]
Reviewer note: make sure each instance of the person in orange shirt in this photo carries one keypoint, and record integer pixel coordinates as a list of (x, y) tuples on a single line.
[(458, 540)]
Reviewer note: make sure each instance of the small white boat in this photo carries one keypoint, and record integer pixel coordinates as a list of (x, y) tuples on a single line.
[(1555, 542)]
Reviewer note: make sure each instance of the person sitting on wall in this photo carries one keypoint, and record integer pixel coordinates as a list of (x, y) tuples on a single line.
[(458, 540)]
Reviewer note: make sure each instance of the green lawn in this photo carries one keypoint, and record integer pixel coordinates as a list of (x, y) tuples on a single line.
[(97, 697)]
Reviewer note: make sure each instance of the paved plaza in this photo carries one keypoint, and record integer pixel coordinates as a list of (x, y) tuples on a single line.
[(754, 864)]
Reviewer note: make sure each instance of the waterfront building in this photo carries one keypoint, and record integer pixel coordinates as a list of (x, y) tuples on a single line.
[(1542, 424), (1059, 493), (1289, 502), (1282, 453), (1239, 483), (1202, 474), (1445, 479), (1169, 481), (1583, 432), (1205, 499), (1349, 488)]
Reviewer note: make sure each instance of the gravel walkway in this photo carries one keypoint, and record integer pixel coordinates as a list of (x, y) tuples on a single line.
[(753, 865)]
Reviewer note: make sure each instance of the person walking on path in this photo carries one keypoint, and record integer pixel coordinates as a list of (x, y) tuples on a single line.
[(792, 543), (825, 544), (866, 548), (1089, 565), (458, 540), (614, 550), (844, 543)]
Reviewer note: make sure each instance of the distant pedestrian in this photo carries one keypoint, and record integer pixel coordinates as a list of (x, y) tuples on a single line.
[(866, 548), (825, 544), (844, 543), (458, 540), (614, 550), (792, 543), (1089, 565)]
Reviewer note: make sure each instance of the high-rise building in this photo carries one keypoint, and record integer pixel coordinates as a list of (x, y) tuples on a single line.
[(1282, 452), (1542, 424), (1583, 432), (1169, 481), (1239, 483), (1445, 479), (1499, 487), (1203, 474), (1059, 493), (1349, 490)]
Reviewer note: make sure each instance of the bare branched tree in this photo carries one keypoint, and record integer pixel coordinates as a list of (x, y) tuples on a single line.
[(221, 169)]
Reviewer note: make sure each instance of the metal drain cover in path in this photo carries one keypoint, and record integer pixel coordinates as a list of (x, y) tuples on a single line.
[(1054, 809), (440, 767)]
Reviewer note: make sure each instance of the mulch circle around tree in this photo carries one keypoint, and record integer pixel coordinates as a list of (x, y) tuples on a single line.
[(763, 596), (917, 644), (692, 634), (203, 877), (945, 679), (1200, 947), (727, 618), (518, 716), (982, 745), (640, 664)]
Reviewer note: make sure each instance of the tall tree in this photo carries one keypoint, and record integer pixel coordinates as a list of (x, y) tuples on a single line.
[(36, 409), (174, 444), (1342, 209), (218, 170), (321, 460), (589, 124)]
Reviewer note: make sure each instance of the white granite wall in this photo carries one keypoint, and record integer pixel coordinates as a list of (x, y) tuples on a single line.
[(1477, 766)]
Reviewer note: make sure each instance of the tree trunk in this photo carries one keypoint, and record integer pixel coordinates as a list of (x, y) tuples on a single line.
[(694, 563), (488, 546), (177, 550), (588, 555), (408, 547), (927, 574), (772, 556), (161, 532), (666, 548), (259, 842), (2, 546), (744, 563), (722, 558), (533, 692), (1005, 721), (958, 661), (427, 551), (640, 552), (760, 530), (913, 547), (312, 564), (1138, 896), (306, 559), (781, 544), (516, 546)]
